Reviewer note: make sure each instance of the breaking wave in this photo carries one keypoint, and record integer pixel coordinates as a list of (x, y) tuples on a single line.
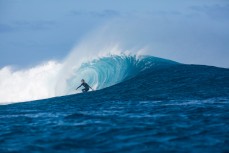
[(50, 79)]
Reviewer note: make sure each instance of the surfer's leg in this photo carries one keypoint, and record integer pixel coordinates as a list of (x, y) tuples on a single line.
[(85, 90)]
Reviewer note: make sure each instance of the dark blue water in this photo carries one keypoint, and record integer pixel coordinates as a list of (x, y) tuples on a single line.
[(176, 108)]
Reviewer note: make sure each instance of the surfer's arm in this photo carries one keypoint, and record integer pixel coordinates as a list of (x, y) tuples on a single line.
[(78, 87)]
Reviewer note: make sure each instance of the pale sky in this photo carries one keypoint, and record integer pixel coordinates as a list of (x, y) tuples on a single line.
[(195, 31)]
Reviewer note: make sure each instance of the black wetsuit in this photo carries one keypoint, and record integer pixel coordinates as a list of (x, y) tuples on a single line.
[(86, 87)]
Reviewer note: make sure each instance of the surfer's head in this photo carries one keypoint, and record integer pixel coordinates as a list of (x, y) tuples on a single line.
[(82, 81)]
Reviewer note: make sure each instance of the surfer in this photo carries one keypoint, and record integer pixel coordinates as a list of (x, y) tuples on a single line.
[(86, 86)]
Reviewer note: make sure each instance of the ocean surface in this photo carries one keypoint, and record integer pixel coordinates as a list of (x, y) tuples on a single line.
[(142, 104)]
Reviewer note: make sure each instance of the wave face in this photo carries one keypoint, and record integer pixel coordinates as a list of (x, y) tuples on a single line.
[(107, 71)]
